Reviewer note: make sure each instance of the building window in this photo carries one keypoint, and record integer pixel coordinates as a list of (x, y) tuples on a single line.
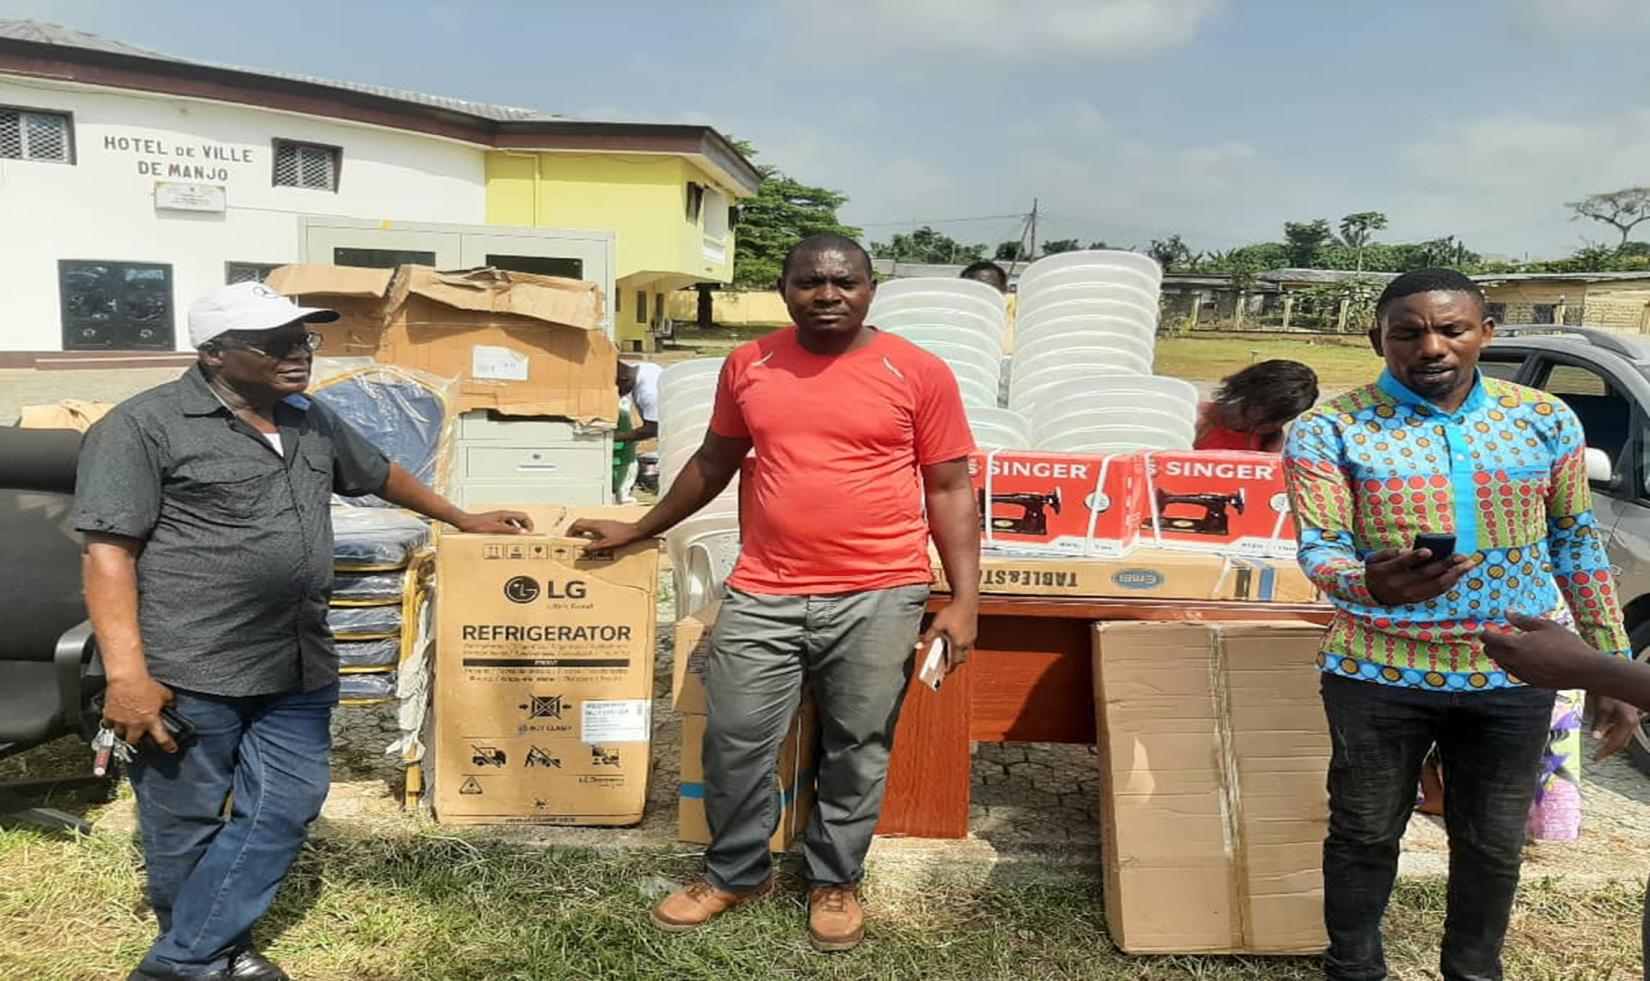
[(641, 306), (27, 134), (1543, 313), (695, 201), (538, 265), (716, 214), (120, 306), (308, 165), (248, 272), (1496, 311)]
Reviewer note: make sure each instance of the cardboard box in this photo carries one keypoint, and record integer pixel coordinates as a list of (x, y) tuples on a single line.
[(692, 656), (519, 344), (1058, 503), (794, 783), (1229, 501), (1213, 754), (359, 295), (1147, 573), (543, 676)]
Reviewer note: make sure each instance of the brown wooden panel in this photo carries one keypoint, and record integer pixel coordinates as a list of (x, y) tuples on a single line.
[(927, 794), (1032, 681)]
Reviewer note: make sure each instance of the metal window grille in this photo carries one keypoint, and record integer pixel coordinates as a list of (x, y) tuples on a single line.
[(303, 165), (34, 136), (248, 272)]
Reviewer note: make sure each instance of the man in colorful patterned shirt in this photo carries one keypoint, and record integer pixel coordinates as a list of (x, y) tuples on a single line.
[(1434, 447)]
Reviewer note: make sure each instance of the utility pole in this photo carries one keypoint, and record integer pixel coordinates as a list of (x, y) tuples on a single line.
[(1031, 254)]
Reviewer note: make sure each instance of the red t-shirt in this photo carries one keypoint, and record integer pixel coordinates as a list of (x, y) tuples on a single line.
[(834, 502)]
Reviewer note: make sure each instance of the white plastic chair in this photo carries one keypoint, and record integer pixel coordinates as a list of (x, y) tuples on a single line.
[(1038, 397), (966, 354), (1088, 354), (701, 560), (1143, 266), (1043, 343), (1113, 439), (923, 335), (896, 321), (1144, 316), (977, 394), (1161, 415), (1041, 297), (989, 439), (883, 303), (699, 373), (954, 285), (1087, 323)]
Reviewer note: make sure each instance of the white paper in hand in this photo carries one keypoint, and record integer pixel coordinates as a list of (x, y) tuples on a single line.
[(932, 671)]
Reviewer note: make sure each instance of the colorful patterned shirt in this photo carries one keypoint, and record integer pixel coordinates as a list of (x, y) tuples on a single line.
[(1506, 474)]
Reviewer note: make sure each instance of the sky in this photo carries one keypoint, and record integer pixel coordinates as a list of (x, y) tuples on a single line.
[(1126, 120)]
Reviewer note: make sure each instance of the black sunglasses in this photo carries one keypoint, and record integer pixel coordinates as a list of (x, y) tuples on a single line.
[(310, 341)]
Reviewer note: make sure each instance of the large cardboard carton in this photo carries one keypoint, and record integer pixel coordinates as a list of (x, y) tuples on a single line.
[(1147, 573), (359, 295), (543, 676), (692, 656), (1213, 754), (794, 785), (1230, 501), (1034, 502), (520, 344)]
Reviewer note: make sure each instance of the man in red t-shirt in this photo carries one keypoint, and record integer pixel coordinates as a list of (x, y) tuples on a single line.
[(861, 455)]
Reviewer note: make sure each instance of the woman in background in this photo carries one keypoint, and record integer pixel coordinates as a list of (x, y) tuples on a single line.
[(1251, 408)]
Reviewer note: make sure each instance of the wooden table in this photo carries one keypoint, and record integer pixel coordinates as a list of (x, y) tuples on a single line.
[(1029, 680)]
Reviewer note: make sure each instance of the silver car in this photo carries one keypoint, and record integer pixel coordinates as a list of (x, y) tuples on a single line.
[(1605, 378)]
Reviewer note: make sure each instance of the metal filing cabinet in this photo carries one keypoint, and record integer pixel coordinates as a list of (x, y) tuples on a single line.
[(530, 460)]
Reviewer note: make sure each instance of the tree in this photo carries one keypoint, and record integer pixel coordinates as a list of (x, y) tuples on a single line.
[(1305, 242), (1058, 245), (1008, 252), (1099, 245), (927, 245), (1171, 253), (1622, 210), (783, 211), (1358, 228)]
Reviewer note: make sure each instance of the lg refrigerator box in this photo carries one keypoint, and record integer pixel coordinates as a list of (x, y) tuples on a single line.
[(1058, 503), (1146, 573), (692, 656), (359, 295), (1230, 501), (519, 344), (793, 786), (543, 676), (1213, 755)]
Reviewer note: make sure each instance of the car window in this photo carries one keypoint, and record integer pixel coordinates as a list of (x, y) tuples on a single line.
[(1605, 412), (1504, 370)]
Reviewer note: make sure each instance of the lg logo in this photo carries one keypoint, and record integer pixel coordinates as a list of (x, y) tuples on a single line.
[(525, 589)]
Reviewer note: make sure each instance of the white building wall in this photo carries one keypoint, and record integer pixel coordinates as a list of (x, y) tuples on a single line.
[(102, 207)]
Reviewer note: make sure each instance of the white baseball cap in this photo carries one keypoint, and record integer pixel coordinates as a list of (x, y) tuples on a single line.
[(247, 306)]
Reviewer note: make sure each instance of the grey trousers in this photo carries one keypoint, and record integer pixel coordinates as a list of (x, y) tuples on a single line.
[(856, 651)]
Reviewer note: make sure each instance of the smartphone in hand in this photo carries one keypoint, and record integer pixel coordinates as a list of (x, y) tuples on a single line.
[(1441, 546), (931, 671)]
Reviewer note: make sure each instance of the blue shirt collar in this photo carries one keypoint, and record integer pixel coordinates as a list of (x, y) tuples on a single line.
[(1401, 393)]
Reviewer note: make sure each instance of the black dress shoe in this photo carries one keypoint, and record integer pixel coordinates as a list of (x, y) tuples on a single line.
[(249, 965)]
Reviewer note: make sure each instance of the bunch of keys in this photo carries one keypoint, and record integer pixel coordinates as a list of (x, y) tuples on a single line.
[(104, 744)]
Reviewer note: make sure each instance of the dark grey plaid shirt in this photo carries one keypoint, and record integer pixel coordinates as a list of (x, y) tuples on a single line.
[(236, 571)]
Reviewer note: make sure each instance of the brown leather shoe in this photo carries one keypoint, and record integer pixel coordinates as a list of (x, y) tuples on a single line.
[(835, 919), (698, 903)]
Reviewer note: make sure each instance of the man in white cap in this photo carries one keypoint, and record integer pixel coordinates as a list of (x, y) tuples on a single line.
[(208, 567)]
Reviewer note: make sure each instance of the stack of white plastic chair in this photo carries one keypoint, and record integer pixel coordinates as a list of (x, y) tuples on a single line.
[(960, 320), (999, 429), (704, 547), (1084, 345)]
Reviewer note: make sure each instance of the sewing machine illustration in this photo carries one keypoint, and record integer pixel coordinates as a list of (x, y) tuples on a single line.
[(1032, 519), (1212, 521)]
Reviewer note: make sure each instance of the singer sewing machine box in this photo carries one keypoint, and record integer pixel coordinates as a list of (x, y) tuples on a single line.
[(1227, 501), (543, 676), (1039, 503)]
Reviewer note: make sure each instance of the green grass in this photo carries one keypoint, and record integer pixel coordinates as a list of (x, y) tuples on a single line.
[(462, 907)]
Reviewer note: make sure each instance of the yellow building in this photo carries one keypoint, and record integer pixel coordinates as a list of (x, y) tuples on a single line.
[(1612, 301), (666, 192)]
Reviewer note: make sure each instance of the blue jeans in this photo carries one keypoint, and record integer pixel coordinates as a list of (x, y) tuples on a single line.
[(210, 876), (1490, 743)]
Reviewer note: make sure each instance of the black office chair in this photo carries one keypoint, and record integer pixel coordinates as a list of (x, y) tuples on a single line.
[(49, 667)]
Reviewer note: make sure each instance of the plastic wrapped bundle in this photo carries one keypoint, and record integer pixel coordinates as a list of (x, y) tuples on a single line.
[(367, 588), (365, 539), (404, 413), (381, 653), (364, 622), (376, 686)]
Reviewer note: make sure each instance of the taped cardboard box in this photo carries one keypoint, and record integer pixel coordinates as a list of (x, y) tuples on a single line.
[(1213, 754), (1144, 574), (794, 784), (691, 654), (359, 295), (543, 676), (1036, 502), (519, 344)]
